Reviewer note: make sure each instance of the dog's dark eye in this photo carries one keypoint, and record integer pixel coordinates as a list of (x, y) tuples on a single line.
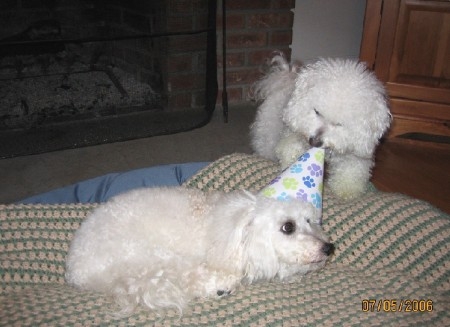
[(317, 112), (288, 228), (308, 221)]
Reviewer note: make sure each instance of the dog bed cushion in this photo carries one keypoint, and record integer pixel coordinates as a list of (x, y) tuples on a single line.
[(100, 189), (391, 266)]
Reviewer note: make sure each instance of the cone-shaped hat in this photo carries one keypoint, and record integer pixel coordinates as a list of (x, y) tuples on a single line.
[(303, 180)]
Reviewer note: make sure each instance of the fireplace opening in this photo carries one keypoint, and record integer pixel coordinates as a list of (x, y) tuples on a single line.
[(84, 72)]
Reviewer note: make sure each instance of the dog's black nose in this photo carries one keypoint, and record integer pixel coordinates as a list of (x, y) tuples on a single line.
[(328, 248), (315, 141)]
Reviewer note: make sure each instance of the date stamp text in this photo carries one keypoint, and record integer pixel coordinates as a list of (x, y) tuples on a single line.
[(396, 305)]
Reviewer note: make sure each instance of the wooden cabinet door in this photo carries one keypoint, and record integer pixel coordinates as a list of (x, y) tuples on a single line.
[(407, 44)]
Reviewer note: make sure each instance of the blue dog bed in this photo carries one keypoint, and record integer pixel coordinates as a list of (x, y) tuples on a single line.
[(101, 188)]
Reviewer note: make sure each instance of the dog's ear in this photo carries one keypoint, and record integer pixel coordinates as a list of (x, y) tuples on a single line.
[(297, 107), (375, 123), (373, 118), (229, 230)]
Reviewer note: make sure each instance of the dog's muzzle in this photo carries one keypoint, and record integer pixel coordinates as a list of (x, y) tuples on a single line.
[(315, 141)]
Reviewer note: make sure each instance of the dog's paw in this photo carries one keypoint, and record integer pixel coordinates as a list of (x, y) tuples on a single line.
[(348, 177), (348, 194), (348, 189), (289, 149)]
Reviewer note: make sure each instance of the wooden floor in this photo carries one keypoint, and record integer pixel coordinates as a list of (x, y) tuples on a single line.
[(419, 169)]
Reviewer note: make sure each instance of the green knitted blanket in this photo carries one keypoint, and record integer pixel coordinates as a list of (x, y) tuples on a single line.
[(391, 266)]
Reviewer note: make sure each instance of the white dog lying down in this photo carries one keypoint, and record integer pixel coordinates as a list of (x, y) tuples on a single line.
[(161, 247), (335, 104)]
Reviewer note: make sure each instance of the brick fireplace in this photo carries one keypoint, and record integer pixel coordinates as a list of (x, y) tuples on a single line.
[(84, 60), (159, 57), (158, 47)]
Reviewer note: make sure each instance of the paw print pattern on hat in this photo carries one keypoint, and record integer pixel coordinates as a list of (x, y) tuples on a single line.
[(296, 168), (308, 181), (315, 170), (303, 180), (290, 183)]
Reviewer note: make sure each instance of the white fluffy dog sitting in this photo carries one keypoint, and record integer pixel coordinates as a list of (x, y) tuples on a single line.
[(162, 247), (335, 104)]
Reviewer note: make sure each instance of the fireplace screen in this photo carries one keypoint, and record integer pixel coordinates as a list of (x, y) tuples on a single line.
[(84, 72)]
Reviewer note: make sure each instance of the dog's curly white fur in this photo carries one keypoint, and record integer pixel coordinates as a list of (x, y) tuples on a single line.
[(161, 247), (336, 104)]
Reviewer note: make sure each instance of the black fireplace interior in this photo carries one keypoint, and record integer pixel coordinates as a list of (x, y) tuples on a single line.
[(85, 72)]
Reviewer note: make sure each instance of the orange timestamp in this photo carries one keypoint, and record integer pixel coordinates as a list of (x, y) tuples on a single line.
[(394, 305)]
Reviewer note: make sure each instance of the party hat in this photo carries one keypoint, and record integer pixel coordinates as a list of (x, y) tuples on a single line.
[(303, 180)]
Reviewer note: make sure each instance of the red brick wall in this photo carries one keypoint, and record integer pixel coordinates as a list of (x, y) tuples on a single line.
[(255, 29), (186, 55)]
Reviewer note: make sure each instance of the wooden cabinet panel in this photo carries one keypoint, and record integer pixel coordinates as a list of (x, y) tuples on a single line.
[(419, 117), (407, 44), (421, 49)]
